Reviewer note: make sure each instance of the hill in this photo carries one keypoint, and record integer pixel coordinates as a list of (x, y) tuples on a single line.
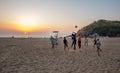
[(103, 28)]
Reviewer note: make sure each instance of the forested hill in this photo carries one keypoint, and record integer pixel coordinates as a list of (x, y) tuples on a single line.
[(103, 28)]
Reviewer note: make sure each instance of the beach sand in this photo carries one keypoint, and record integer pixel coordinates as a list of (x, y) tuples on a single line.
[(35, 55)]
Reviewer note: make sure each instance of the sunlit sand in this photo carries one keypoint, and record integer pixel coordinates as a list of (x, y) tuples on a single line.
[(36, 56)]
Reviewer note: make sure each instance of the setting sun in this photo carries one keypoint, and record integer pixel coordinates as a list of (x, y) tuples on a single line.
[(27, 23)]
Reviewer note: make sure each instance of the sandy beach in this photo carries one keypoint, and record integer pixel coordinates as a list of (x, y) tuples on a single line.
[(35, 55)]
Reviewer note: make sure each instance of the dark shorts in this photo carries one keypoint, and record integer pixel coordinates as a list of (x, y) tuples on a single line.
[(95, 43), (74, 42)]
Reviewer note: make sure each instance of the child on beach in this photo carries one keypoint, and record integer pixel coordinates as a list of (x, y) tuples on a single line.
[(98, 43), (65, 44), (53, 41)]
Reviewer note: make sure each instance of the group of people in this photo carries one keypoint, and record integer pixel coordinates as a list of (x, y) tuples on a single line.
[(75, 40)]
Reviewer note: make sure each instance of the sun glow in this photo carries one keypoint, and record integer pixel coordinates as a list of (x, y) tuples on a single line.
[(27, 24)]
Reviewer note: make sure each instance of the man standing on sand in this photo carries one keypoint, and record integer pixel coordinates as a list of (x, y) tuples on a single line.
[(74, 40), (98, 43)]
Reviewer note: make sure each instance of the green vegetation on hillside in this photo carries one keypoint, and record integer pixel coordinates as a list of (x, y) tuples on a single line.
[(103, 28)]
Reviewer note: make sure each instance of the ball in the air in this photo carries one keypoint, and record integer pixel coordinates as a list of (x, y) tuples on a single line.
[(76, 26)]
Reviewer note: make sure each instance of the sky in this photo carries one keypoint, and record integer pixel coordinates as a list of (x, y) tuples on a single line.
[(41, 17)]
